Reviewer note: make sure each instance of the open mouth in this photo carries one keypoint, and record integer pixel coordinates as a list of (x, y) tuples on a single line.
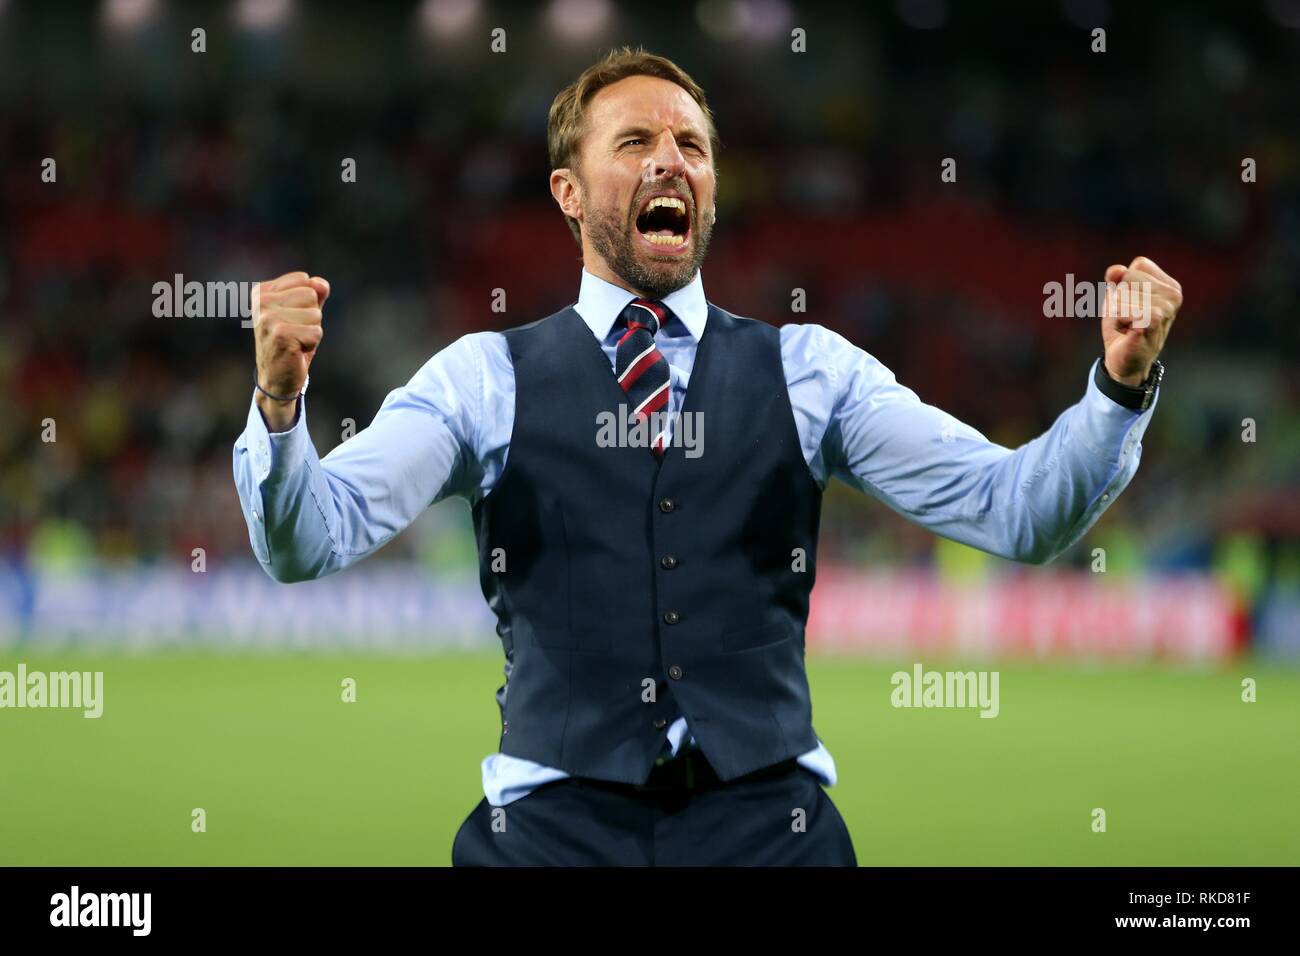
[(664, 223)]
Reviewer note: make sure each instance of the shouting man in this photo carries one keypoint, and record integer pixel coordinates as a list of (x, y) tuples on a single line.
[(655, 708)]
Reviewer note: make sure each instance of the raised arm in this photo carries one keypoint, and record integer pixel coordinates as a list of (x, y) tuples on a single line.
[(307, 516), (1028, 504)]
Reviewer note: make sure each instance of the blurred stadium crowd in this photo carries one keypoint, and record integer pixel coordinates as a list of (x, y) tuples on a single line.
[(225, 165)]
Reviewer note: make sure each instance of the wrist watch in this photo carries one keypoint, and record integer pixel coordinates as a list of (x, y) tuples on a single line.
[(1137, 397)]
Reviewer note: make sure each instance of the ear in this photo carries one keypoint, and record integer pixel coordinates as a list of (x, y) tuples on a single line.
[(567, 192)]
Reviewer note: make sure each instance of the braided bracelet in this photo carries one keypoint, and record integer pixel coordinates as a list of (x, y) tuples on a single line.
[(277, 398)]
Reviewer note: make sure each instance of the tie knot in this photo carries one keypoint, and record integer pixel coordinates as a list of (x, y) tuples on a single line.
[(646, 313)]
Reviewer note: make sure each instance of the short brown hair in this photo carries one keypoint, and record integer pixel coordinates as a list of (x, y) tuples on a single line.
[(564, 126)]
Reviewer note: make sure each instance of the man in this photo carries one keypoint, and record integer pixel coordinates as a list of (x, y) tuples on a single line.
[(651, 592)]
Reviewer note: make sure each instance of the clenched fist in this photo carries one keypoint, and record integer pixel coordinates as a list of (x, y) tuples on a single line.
[(286, 331), (1140, 309)]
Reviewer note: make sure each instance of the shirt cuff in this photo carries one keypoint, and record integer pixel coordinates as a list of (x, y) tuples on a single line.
[(275, 452), (1126, 395)]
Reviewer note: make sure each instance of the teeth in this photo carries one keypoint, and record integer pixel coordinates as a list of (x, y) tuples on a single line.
[(670, 201), (666, 240)]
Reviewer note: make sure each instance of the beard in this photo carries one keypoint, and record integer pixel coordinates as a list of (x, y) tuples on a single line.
[(611, 235)]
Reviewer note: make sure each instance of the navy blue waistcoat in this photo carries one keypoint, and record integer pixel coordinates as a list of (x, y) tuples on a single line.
[(630, 591)]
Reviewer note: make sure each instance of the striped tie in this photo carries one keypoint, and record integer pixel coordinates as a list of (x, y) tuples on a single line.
[(641, 369)]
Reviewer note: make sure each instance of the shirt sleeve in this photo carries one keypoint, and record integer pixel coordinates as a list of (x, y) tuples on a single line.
[(1028, 504), (308, 517)]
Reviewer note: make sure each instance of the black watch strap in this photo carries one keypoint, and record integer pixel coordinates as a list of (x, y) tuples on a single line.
[(1138, 398)]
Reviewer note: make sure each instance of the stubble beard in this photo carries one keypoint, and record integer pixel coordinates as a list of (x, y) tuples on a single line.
[(612, 238)]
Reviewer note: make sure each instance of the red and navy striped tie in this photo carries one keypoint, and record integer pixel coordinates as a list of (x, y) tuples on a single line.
[(641, 369)]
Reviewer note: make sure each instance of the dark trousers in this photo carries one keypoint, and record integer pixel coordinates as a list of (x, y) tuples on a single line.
[(685, 817)]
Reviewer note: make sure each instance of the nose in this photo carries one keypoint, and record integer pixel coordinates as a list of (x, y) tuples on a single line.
[(667, 162)]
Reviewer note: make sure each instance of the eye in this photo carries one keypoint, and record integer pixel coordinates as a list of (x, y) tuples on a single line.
[(627, 142)]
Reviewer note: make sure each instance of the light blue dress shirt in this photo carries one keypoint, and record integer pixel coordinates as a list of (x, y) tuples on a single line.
[(447, 432)]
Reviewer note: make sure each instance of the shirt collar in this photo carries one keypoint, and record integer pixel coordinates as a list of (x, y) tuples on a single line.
[(600, 303)]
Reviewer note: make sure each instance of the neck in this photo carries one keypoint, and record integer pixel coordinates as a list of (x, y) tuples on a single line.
[(602, 271)]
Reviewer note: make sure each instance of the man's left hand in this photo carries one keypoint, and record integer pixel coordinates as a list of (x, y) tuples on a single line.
[(1140, 308)]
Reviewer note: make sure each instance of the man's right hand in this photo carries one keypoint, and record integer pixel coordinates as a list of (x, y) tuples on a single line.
[(286, 331)]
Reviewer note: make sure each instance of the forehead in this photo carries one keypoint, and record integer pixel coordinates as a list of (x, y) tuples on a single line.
[(646, 101)]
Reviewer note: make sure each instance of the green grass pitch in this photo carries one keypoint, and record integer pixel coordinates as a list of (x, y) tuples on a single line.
[(287, 773)]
